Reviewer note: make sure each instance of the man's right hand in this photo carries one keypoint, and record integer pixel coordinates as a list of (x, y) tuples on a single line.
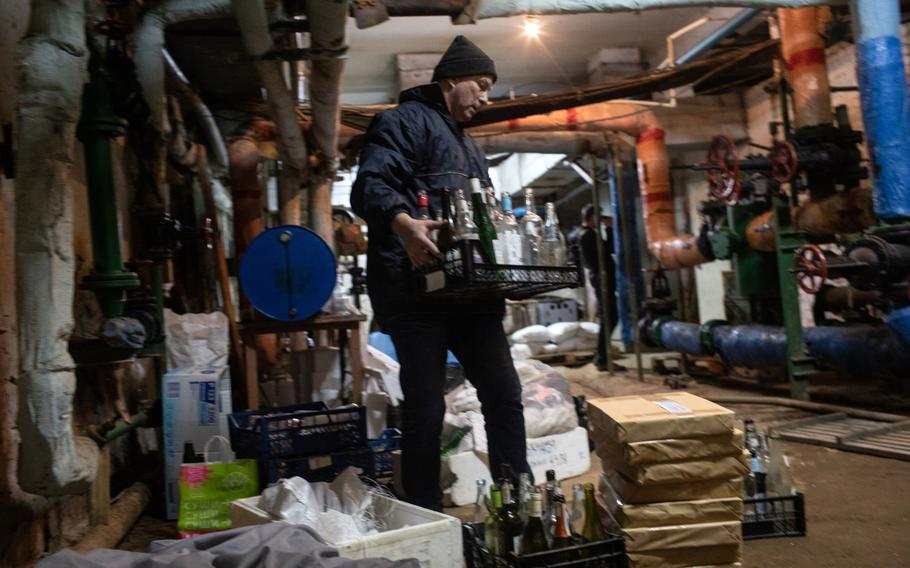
[(415, 234)]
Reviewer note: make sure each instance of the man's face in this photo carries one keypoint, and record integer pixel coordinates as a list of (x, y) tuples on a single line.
[(467, 96)]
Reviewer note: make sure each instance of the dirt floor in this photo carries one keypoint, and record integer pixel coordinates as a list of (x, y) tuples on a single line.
[(858, 506)]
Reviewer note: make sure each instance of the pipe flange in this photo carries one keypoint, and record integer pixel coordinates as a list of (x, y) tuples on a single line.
[(655, 329), (706, 334)]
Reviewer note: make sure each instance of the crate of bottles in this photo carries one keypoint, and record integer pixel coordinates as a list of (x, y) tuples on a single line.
[(609, 553), (769, 517), (298, 431), (464, 275)]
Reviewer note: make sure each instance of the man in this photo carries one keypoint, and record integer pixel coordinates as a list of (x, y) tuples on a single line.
[(588, 246), (420, 145)]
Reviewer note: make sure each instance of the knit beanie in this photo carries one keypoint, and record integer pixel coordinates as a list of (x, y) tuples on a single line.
[(463, 59)]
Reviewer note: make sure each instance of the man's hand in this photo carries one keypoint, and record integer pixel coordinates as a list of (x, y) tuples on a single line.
[(416, 237)]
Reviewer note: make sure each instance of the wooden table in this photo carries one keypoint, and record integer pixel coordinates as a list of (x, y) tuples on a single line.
[(348, 327)]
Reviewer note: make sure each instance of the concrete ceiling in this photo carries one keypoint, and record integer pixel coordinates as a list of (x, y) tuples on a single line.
[(528, 66)]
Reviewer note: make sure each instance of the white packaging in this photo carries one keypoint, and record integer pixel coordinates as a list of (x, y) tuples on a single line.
[(562, 331), (434, 539), (566, 453), (196, 404), (531, 334), (467, 468)]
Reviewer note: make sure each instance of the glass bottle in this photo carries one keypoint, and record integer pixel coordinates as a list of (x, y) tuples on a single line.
[(491, 523), (510, 525), (562, 532), (553, 243), (593, 530), (509, 234), (496, 217), (465, 229), (524, 495), (534, 538), (446, 236), (480, 502), (551, 490), (423, 206), (531, 231), (780, 478), (485, 229), (577, 517)]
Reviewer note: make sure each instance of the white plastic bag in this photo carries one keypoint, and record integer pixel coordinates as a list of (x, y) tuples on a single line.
[(520, 351), (531, 334), (562, 331), (588, 329), (193, 340)]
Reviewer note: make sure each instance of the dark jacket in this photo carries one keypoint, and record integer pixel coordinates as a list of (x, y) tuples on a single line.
[(588, 246), (414, 146)]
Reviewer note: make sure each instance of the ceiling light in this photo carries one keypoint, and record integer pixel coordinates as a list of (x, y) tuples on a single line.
[(531, 26)]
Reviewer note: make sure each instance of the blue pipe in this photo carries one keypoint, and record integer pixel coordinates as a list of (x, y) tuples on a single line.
[(885, 104), (864, 351), (683, 337), (717, 35), (751, 346)]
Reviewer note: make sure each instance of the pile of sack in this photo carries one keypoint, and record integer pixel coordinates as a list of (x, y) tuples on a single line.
[(561, 337)]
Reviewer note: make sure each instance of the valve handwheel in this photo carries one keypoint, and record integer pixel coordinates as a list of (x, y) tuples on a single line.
[(784, 161), (811, 268), (723, 169)]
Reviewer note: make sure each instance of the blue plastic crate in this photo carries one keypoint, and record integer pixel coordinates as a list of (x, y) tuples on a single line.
[(315, 468), (297, 431), (382, 447)]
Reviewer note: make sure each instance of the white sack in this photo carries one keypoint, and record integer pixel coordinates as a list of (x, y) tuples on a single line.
[(531, 334), (562, 331), (195, 340)]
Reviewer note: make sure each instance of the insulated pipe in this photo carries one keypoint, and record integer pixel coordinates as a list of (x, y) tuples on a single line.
[(803, 50), (863, 351), (752, 346), (682, 336), (572, 144), (673, 251), (481, 9), (53, 60), (885, 104)]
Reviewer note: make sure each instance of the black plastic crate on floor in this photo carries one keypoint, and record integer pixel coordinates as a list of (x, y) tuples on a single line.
[(610, 553), (770, 517), (315, 468)]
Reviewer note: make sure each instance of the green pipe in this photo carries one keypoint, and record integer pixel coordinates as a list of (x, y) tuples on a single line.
[(97, 126), (121, 428)]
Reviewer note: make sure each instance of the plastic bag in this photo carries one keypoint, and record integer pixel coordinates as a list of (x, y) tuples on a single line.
[(531, 334), (547, 410), (195, 339), (562, 331), (588, 329)]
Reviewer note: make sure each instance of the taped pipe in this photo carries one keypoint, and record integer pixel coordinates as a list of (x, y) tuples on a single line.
[(884, 100), (572, 144), (53, 60), (803, 50), (671, 250), (862, 351)]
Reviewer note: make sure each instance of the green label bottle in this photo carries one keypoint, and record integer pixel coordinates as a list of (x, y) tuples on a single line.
[(491, 523)]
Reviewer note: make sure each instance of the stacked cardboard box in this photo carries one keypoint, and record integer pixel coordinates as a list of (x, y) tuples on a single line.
[(673, 465)]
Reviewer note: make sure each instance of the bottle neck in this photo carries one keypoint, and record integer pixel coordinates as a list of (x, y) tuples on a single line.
[(496, 499), (536, 508), (529, 201)]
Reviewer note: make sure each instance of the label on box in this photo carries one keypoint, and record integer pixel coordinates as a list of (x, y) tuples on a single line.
[(205, 392), (672, 406)]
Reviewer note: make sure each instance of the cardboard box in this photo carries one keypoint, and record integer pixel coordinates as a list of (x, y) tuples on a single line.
[(718, 467), (659, 416), (674, 449), (699, 535), (634, 494), (686, 557), (627, 516), (196, 404)]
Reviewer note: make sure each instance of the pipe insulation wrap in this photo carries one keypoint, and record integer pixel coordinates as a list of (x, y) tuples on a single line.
[(899, 322), (864, 351), (886, 115), (683, 337), (480, 9), (751, 346)]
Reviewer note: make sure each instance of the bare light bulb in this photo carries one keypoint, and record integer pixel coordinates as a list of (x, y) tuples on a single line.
[(531, 26)]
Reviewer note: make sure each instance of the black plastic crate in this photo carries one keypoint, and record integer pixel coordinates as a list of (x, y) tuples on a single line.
[(610, 553), (382, 447), (297, 431), (315, 468), (769, 517), (458, 276)]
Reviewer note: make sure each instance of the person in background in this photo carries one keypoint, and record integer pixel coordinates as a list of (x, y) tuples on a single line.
[(421, 145), (591, 260)]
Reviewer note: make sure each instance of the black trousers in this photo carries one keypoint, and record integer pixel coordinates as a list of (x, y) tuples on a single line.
[(607, 325), (479, 343)]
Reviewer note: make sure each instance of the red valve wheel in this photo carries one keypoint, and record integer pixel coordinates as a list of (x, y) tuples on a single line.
[(784, 161), (811, 268), (723, 169)]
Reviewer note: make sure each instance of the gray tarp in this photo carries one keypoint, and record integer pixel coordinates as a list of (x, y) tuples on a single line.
[(273, 545)]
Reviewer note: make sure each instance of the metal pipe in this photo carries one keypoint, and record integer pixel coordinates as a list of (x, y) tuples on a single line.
[(885, 104), (719, 34), (603, 299), (863, 351), (572, 144), (126, 509), (803, 50)]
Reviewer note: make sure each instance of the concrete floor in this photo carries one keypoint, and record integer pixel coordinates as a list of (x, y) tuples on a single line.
[(858, 506)]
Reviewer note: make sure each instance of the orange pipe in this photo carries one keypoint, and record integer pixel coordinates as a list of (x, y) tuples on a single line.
[(672, 250), (803, 50)]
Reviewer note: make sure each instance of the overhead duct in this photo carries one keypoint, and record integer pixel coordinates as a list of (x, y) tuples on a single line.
[(886, 108), (672, 250), (53, 61)]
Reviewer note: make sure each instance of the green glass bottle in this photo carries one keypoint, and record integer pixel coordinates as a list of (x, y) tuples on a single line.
[(491, 523), (534, 539), (485, 229), (510, 525), (593, 530)]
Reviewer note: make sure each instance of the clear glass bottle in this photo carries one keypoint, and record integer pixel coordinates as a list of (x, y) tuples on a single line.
[(495, 215), (510, 525), (480, 506), (509, 234), (577, 517), (531, 232), (780, 478), (423, 206), (465, 229), (553, 243), (524, 495)]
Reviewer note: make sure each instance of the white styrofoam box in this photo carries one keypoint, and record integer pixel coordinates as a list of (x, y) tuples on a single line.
[(552, 311), (566, 453), (434, 539), (196, 403), (467, 467)]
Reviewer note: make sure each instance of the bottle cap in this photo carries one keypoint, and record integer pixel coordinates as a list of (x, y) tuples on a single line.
[(423, 200)]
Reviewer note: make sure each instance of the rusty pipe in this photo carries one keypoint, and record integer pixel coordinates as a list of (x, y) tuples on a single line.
[(803, 51), (572, 144)]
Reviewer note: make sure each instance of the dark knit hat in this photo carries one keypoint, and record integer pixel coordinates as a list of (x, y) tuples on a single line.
[(463, 59)]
